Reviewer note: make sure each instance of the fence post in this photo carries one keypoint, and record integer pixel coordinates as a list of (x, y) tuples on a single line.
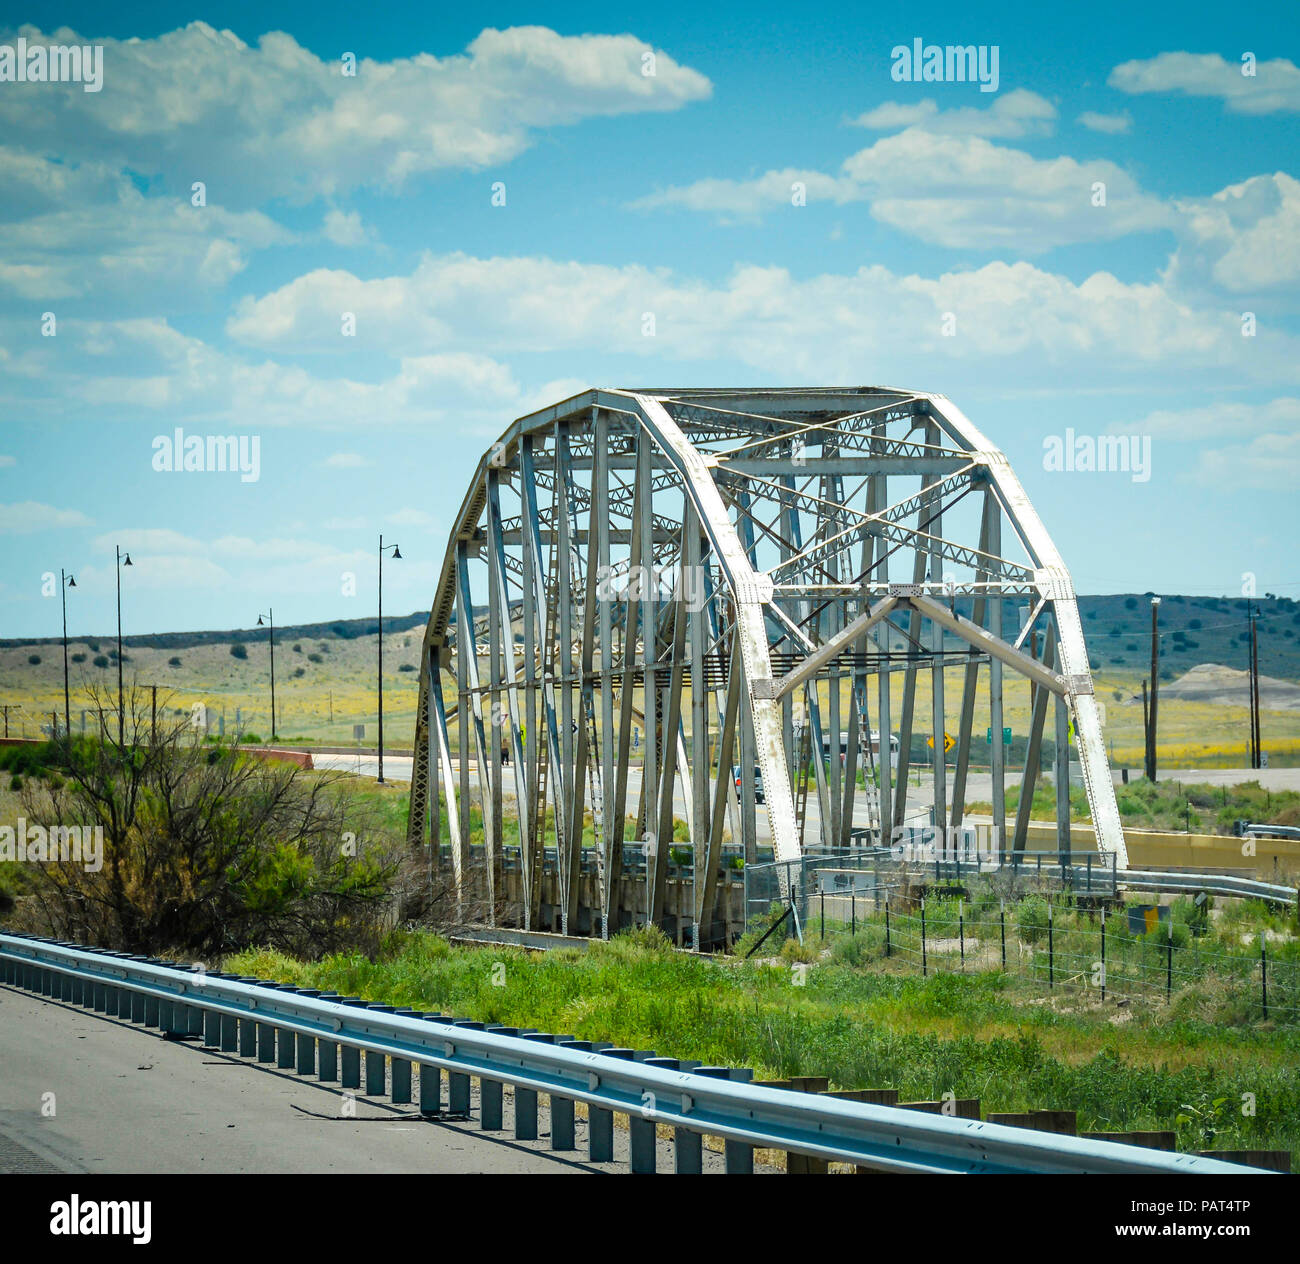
[(853, 911), (1169, 959), (1103, 954), (961, 932), (889, 947), (924, 965), (1051, 946), (1002, 919), (1263, 972), (822, 899)]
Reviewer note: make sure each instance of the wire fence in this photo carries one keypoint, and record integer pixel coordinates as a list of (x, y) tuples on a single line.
[(1053, 928)]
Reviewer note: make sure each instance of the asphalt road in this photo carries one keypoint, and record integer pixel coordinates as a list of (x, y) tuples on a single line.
[(127, 1101)]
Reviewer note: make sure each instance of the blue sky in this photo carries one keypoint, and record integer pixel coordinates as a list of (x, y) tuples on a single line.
[(626, 193)]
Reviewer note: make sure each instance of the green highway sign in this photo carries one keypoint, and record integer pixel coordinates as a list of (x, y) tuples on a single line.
[(1006, 736)]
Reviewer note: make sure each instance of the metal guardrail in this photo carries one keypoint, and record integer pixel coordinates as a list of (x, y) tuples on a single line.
[(246, 1016), (1224, 884)]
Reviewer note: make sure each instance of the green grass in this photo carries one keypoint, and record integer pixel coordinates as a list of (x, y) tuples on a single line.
[(972, 1035)]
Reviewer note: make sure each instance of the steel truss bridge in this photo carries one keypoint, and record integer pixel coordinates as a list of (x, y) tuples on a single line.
[(646, 590)]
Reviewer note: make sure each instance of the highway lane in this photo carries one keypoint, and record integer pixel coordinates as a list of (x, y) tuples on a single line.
[(127, 1101)]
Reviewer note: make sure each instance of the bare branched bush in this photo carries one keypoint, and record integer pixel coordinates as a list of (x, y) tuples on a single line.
[(205, 849)]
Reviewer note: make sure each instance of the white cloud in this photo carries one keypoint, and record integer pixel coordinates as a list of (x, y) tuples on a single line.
[(1270, 462), (409, 517), (5, 462), (953, 190), (70, 230), (1246, 237), (822, 327), (1273, 88), (344, 228), (1242, 444), (274, 120), (29, 515), (1223, 419), (1108, 124), (346, 460), (1016, 113)]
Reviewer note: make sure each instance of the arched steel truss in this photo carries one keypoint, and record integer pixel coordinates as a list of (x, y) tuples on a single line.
[(760, 565)]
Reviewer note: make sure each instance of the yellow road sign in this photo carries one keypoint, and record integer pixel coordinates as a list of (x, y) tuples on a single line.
[(948, 742)]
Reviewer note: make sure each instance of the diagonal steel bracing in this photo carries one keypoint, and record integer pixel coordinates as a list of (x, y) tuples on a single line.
[(648, 592)]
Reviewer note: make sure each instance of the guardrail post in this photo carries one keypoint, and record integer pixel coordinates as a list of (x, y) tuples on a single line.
[(688, 1145), (350, 1055), (211, 1028), (430, 1081), (248, 1037), (229, 1033), (738, 1158), (526, 1098), (137, 1007), (491, 1092), (563, 1131), (636, 1144), (376, 1078), (401, 1093), (328, 1050), (458, 1099)]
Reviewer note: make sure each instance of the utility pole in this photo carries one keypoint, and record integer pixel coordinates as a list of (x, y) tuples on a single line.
[(121, 707), (1155, 687), (397, 556), (66, 582), (1256, 737), (270, 619)]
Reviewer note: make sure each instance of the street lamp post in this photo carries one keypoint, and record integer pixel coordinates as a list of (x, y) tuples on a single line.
[(397, 557), (270, 620), (66, 582), (123, 559)]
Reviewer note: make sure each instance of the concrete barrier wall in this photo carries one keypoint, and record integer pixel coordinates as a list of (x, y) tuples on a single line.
[(1148, 849)]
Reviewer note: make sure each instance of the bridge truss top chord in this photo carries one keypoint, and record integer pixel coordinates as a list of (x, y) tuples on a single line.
[(645, 590)]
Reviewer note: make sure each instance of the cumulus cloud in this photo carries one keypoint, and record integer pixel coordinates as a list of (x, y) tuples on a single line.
[(960, 191), (26, 516), (1245, 238), (820, 327), (344, 228), (1273, 88), (80, 230), (1107, 124), (274, 120), (1013, 114)]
